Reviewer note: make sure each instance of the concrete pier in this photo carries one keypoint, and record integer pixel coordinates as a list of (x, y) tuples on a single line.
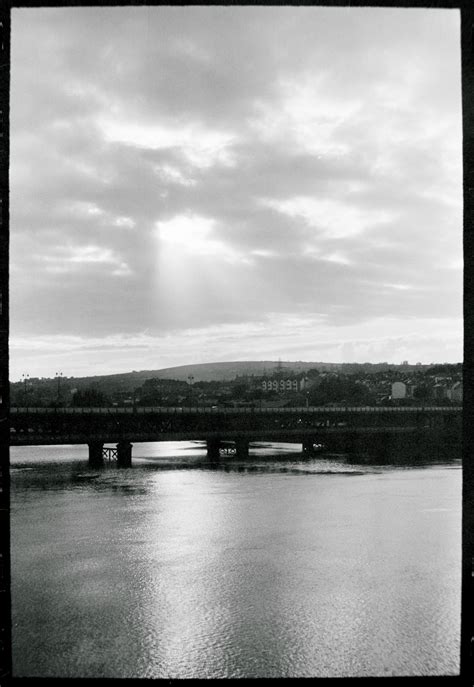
[(213, 446), (96, 458), (124, 454), (242, 448)]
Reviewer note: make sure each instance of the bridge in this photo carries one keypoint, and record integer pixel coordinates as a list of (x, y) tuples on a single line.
[(364, 430)]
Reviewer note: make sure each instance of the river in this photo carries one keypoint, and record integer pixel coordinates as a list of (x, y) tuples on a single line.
[(273, 566)]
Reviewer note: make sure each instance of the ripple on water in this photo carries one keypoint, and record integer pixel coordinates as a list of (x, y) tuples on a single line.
[(219, 573)]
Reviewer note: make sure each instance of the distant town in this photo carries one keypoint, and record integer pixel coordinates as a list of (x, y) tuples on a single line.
[(279, 385)]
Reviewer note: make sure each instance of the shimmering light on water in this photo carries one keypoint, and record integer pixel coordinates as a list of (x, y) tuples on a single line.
[(268, 567)]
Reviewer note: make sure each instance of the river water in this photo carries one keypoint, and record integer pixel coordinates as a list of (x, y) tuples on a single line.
[(273, 566)]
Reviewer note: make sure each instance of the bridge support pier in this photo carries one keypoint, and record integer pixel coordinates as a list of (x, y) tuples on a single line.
[(213, 446), (96, 459), (124, 454), (242, 448)]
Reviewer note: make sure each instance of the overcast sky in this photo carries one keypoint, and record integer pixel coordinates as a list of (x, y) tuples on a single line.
[(199, 184)]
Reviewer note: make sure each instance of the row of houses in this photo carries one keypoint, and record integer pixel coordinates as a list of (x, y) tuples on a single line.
[(285, 383), (441, 390)]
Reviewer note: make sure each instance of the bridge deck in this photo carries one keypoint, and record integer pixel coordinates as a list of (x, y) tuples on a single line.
[(30, 426)]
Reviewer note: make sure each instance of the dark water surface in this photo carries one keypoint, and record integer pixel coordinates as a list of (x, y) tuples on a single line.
[(270, 567)]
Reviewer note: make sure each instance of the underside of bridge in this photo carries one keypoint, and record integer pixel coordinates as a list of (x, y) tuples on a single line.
[(99, 454), (388, 447)]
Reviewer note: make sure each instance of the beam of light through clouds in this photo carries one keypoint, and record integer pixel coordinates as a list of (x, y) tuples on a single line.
[(228, 183)]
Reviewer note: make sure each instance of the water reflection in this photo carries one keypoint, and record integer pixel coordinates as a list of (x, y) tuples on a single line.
[(272, 566)]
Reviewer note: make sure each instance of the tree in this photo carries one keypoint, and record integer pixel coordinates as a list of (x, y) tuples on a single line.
[(90, 398), (422, 392), (239, 390)]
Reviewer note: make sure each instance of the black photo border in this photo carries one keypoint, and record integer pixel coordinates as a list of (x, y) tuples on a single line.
[(466, 9)]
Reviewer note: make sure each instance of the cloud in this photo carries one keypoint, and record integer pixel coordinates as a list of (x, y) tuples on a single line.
[(191, 236), (202, 167), (301, 339), (199, 146), (336, 220)]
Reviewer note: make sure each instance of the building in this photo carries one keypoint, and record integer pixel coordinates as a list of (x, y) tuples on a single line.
[(440, 391), (270, 385), (399, 390), (456, 392), (281, 384)]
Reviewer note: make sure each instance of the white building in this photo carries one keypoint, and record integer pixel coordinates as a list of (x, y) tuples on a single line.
[(270, 385), (284, 384), (399, 390)]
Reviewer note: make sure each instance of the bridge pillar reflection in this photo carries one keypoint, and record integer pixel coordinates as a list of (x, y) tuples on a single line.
[(96, 459), (124, 454), (213, 446), (242, 448)]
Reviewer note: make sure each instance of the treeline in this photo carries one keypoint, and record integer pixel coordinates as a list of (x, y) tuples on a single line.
[(340, 389)]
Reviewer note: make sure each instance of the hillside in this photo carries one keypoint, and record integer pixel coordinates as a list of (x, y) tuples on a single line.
[(227, 371), (204, 372)]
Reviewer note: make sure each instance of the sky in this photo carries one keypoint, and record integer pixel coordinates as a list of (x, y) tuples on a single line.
[(202, 184)]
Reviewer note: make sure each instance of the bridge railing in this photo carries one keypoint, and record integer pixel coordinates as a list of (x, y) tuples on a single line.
[(240, 410)]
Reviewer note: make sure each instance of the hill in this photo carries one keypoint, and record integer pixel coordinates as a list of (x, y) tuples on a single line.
[(126, 382), (202, 372)]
